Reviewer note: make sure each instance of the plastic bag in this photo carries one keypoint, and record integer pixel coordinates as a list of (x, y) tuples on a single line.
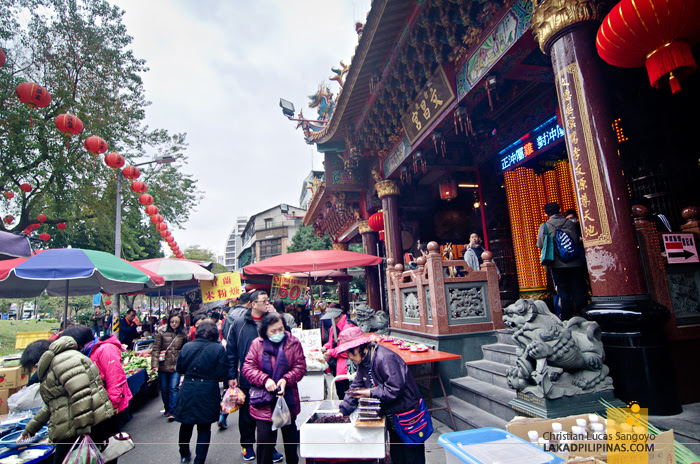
[(281, 415), (84, 451), (25, 399), (232, 401)]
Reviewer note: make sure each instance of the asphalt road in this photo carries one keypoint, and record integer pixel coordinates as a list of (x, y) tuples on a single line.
[(156, 439)]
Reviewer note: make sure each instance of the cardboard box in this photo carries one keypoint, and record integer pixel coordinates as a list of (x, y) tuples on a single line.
[(312, 387), (11, 377), (5, 393)]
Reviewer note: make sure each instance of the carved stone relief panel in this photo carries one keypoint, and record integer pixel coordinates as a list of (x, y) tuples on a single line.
[(685, 296), (428, 308), (467, 303), (411, 307)]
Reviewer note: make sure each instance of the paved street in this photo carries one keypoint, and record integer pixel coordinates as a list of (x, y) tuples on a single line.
[(157, 438)]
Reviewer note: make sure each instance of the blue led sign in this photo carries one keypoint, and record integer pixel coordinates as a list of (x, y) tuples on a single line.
[(531, 144)]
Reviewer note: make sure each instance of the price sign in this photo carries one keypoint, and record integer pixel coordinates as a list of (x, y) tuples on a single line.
[(288, 288), (310, 339), (225, 286)]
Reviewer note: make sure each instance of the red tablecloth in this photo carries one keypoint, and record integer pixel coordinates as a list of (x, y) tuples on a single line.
[(429, 356)]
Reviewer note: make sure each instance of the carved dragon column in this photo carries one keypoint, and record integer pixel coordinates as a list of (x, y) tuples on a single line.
[(369, 245), (388, 192), (343, 287), (621, 303)]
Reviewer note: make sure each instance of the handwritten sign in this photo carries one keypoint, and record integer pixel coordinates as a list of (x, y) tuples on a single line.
[(680, 248), (434, 97), (310, 339), (288, 288), (225, 286)]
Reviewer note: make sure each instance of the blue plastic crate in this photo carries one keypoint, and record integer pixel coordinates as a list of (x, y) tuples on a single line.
[(491, 445)]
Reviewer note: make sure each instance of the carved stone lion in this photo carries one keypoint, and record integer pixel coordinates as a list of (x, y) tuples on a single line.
[(555, 358), (370, 320)]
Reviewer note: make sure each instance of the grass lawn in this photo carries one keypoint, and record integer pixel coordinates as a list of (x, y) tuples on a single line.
[(9, 330)]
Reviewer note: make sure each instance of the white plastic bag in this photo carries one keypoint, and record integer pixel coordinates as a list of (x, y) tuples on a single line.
[(281, 415), (25, 399)]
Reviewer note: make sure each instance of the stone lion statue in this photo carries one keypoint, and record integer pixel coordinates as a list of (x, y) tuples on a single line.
[(370, 320), (555, 358)]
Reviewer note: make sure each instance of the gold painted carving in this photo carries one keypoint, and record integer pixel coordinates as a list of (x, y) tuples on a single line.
[(386, 188), (363, 227), (340, 246), (551, 16)]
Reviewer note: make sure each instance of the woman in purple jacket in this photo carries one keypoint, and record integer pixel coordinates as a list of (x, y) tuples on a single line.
[(383, 375), (276, 363)]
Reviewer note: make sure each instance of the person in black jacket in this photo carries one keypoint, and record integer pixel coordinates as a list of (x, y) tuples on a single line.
[(241, 334), (202, 363)]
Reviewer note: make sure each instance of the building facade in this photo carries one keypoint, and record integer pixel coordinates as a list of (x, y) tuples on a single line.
[(233, 244), (269, 233)]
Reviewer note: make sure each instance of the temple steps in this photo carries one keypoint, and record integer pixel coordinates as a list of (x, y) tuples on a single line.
[(481, 398)]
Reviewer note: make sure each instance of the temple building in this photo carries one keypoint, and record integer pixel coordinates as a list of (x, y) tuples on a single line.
[(460, 116)]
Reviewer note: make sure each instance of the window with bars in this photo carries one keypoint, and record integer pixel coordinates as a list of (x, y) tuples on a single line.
[(270, 248)]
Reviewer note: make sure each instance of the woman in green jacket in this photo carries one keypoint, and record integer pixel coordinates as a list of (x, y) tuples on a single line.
[(75, 400)]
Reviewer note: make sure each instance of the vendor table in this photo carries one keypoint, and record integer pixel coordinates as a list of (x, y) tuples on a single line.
[(136, 381), (431, 357)]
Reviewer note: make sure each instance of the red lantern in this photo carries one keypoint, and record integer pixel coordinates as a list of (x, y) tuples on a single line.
[(69, 124), (162, 226), (114, 160), (108, 302), (448, 189), (170, 239), (26, 188), (95, 145), (655, 33), (157, 218), (8, 219), (33, 95), (131, 172), (9, 195), (381, 235), (28, 230), (376, 221), (2, 58), (138, 187), (151, 210), (41, 218), (146, 200), (45, 237), (165, 233), (35, 226), (61, 226)]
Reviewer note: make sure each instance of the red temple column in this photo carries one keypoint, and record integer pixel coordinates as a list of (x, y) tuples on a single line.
[(388, 192), (632, 322), (343, 287), (369, 245)]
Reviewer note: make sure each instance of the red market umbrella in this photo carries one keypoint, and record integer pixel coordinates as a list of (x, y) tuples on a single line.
[(311, 261)]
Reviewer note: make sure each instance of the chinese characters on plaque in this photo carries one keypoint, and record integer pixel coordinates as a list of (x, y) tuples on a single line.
[(223, 287), (434, 97)]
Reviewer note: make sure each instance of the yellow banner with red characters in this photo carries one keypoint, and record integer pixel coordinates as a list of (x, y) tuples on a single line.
[(223, 287), (288, 288)]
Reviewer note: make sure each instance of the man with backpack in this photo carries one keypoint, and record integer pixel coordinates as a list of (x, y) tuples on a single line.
[(568, 264)]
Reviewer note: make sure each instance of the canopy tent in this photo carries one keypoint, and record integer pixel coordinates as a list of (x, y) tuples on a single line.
[(312, 261), (174, 270), (14, 246)]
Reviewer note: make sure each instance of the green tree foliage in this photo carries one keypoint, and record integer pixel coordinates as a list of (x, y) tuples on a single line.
[(305, 239), (79, 50), (199, 253)]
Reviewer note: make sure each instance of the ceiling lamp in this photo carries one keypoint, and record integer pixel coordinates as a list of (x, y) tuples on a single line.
[(448, 189)]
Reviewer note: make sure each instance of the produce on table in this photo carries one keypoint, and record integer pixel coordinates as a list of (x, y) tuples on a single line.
[(133, 363)]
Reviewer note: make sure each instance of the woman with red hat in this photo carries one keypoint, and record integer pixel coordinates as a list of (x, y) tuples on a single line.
[(383, 375)]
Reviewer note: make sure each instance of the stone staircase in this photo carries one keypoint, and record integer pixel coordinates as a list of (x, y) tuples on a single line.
[(481, 398)]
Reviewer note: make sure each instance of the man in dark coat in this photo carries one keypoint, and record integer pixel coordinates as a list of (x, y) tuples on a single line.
[(128, 329), (569, 277), (234, 313), (241, 334)]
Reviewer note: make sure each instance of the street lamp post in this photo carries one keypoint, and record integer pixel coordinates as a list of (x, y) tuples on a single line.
[(118, 225)]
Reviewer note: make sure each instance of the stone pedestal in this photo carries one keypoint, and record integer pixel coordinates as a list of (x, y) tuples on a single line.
[(534, 406)]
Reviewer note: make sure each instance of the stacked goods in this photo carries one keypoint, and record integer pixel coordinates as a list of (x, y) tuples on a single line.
[(369, 409), (12, 378)]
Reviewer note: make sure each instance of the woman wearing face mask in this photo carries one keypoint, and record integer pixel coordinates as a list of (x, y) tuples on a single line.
[(166, 349), (276, 363)]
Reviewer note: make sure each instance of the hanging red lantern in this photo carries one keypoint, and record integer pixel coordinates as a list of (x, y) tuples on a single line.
[(131, 172), (45, 237), (2, 58), (652, 33), (95, 145), (170, 239), (28, 230), (69, 124), (151, 210), (162, 226), (146, 200), (114, 160), (376, 221), (165, 233), (108, 302), (61, 226), (9, 219), (36, 226), (9, 195), (448, 189), (157, 218), (26, 188), (33, 95), (138, 187), (381, 235), (41, 218)]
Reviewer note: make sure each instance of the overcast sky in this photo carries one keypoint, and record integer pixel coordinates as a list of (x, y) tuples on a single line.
[(217, 71)]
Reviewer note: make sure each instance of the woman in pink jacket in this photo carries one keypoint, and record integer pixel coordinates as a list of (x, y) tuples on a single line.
[(274, 365), (106, 354), (338, 321)]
